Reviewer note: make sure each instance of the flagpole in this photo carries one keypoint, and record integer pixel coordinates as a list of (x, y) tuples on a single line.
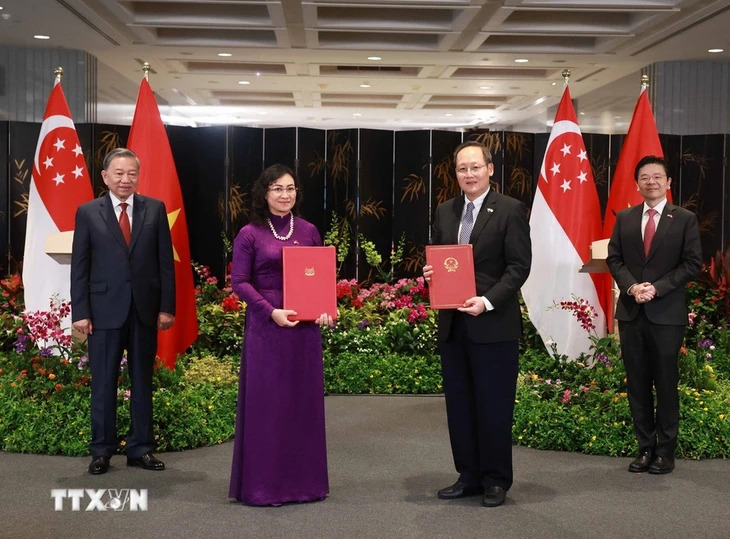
[(59, 74), (566, 75), (644, 82), (146, 68)]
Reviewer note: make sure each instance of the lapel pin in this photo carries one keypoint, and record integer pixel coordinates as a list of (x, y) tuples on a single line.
[(670, 215), (490, 210)]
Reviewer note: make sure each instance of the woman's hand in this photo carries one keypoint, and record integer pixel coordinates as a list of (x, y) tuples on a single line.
[(324, 320), (281, 317)]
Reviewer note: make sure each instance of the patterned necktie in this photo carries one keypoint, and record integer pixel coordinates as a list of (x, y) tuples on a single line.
[(124, 223), (467, 223), (649, 231)]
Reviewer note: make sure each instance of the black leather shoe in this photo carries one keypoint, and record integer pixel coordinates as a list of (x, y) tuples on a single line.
[(661, 465), (147, 461), (641, 463), (99, 465), (459, 490), (493, 496)]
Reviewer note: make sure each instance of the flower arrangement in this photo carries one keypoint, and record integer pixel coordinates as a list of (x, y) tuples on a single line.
[(384, 341)]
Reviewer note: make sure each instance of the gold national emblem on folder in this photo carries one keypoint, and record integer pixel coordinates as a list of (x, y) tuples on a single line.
[(451, 264), (309, 272)]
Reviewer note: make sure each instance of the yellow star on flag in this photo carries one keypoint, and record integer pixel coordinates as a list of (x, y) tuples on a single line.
[(171, 218)]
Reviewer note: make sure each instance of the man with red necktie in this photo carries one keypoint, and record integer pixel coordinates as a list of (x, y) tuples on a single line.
[(122, 292), (654, 251)]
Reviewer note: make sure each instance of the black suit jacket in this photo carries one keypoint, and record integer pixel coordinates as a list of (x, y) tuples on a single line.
[(106, 275), (674, 259), (502, 258)]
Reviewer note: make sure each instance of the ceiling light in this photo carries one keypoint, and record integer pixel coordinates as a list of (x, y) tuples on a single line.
[(364, 85), (485, 87), (521, 60), (553, 84), (374, 58), (356, 114), (41, 36), (225, 54), (715, 50), (448, 114), (258, 73), (582, 113), (244, 82)]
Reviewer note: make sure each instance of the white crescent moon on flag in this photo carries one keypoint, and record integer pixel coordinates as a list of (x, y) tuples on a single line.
[(49, 124), (560, 128)]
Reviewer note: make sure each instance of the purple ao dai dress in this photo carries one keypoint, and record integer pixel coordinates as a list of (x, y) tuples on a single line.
[(279, 452)]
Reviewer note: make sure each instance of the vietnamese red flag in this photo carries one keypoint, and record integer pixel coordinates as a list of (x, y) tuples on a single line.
[(158, 179), (59, 184), (641, 140), (565, 219)]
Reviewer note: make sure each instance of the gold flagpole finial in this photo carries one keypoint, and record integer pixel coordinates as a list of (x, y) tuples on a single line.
[(146, 68), (644, 82), (59, 73), (566, 75)]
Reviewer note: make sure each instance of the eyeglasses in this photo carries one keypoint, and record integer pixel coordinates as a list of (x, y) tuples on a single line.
[(475, 169), (655, 177), (278, 191)]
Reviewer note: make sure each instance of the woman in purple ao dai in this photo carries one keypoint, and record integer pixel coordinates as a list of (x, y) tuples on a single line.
[(279, 452)]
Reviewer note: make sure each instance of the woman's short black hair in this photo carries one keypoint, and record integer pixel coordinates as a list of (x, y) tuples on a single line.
[(261, 186)]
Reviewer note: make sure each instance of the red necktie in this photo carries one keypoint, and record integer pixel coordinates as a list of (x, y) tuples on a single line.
[(649, 231), (124, 223)]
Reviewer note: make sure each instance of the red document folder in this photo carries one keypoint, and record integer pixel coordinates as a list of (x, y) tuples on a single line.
[(452, 282), (310, 281)]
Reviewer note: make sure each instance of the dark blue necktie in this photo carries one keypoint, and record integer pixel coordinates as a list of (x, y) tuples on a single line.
[(467, 223)]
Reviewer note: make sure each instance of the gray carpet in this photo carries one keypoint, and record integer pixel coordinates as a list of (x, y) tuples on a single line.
[(387, 458)]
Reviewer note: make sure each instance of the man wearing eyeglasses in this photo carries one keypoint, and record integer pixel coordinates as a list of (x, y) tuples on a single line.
[(654, 251), (479, 341)]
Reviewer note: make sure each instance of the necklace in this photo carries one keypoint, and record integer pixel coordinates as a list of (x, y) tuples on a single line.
[(291, 229)]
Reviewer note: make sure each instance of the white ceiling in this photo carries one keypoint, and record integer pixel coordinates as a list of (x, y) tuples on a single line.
[(446, 64)]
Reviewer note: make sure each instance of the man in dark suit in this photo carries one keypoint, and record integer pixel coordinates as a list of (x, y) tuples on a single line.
[(122, 292), (653, 252), (479, 341)]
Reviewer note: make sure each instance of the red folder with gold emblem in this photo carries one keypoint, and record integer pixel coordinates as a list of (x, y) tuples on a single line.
[(452, 282), (310, 281)]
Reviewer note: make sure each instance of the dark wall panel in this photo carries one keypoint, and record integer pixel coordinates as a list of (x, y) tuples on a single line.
[(672, 147), (443, 178), (200, 160), (4, 191), (22, 141), (375, 187), (411, 198), (518, 163), (341, 190), (311, 171), (280, 146), (701, 186), (245, 164)]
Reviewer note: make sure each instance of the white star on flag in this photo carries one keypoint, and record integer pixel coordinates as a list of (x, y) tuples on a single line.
[(48, 162), (78, 172), (60, 144), (59, 178), (565, 219), (77, 150)]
